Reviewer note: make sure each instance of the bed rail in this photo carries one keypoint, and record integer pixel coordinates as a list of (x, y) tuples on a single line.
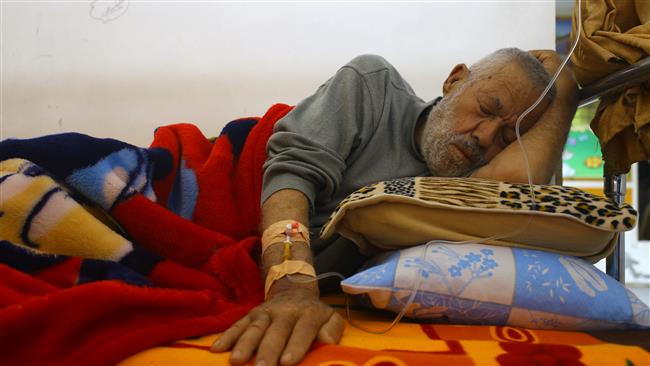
[(615, 185), (616, 82)]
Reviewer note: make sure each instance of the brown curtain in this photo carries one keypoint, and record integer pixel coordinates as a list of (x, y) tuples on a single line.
[(616, 34)]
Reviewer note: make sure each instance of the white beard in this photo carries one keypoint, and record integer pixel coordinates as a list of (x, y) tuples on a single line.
[(438, 135)]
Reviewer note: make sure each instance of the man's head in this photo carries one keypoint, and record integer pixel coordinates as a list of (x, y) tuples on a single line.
[(476, 118)]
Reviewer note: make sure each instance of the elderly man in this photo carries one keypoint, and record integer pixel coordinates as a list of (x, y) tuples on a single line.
[(364, 125)]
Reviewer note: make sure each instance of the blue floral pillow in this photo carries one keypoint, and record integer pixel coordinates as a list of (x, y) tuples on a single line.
[(491, 285)]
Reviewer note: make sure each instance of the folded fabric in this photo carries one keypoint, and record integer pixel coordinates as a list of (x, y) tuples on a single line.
[(107, 249), (491, 285), (39, 213), (411, 211), (616, 34)]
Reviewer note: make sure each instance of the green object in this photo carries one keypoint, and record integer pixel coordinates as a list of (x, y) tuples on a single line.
[(582, 157)]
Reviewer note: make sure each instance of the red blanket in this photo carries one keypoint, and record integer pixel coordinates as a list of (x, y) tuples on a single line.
[(188, 210)]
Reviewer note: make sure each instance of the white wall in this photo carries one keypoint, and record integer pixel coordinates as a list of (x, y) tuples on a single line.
[(121, 68)]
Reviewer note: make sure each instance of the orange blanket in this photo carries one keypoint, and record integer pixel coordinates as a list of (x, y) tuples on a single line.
[(427, 344)]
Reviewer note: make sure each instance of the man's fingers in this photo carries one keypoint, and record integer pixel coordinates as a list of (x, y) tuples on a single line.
[(301, 338), (548, 58), (250, 339), (231, 335), (274, 341), (332, 331)]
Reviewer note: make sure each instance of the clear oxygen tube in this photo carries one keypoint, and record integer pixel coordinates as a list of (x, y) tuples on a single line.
[(425, 248)]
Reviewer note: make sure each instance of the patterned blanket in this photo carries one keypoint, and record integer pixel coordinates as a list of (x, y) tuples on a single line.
[(413, 344), (107, 249)]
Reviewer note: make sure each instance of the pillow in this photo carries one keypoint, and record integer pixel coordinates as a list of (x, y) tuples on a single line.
[(411, 211), (492, 285)]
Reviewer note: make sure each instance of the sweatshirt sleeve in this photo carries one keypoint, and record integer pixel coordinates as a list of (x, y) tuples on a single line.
[(310, 145)]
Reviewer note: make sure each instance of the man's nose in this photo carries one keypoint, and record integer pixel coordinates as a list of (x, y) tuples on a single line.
[(486, 131)]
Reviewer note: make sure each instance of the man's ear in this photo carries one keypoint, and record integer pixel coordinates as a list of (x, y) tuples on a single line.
[(458, 73)]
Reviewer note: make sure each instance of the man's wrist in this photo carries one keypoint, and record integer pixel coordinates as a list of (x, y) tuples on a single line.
[(567, 87), (273, 256), (297, 284), (300, 251)]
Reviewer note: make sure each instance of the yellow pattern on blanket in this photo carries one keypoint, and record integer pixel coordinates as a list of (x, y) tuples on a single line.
[(38, 213)]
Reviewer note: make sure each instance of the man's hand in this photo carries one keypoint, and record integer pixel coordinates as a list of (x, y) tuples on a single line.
[(285, 325), (567, 88)]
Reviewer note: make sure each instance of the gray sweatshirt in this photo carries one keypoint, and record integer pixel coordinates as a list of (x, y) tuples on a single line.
[(358, 128)]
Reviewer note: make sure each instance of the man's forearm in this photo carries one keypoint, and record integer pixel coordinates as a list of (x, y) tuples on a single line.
[(287, 204)]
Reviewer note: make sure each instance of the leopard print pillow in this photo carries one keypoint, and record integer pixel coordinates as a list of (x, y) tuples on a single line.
[(562, 219)]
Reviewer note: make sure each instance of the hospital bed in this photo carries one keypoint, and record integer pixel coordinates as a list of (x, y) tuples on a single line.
[(413, 343)]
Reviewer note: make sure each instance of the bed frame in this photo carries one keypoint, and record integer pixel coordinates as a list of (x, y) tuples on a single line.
[(615, 184)]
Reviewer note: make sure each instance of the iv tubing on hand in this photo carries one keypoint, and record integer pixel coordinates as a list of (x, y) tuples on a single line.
[(539, 100)]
